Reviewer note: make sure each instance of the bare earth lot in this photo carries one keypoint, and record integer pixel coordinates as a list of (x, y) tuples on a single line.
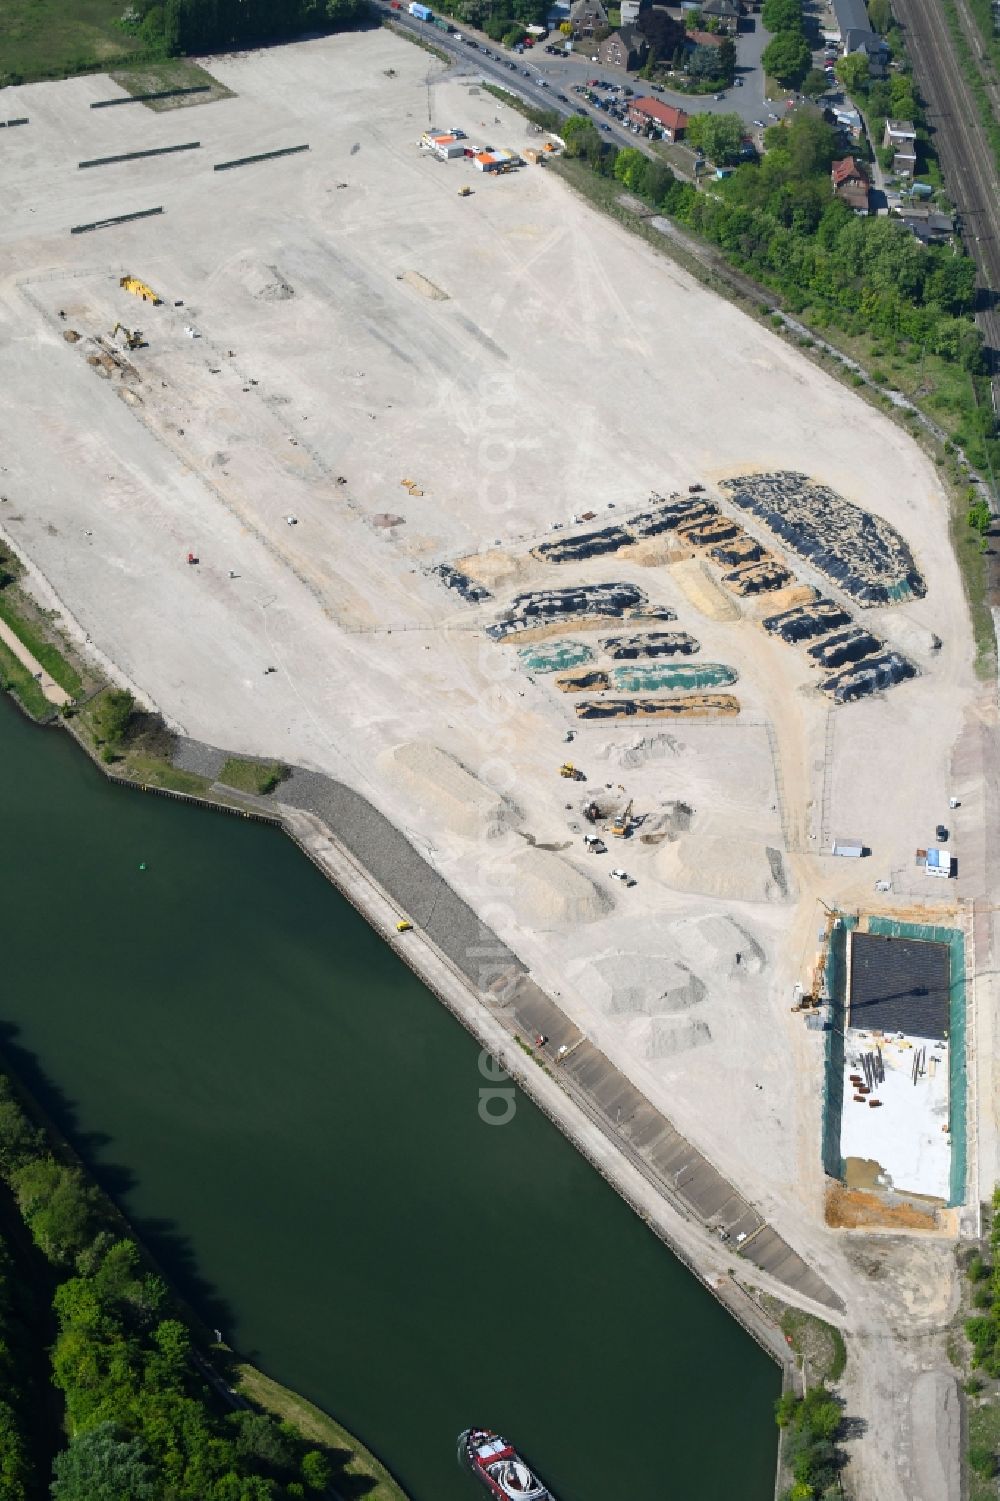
[(519, 360)]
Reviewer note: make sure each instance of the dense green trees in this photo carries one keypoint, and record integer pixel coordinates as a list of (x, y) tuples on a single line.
[(781, 15), (719, 136), (809, 1451), (144, 1423), (787, 58), (207, 25)]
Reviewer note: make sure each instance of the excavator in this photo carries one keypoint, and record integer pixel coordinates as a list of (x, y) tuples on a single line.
[(132, 336), (622, 825)]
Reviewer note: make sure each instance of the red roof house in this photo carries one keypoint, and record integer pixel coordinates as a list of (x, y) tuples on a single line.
[(665, 117)]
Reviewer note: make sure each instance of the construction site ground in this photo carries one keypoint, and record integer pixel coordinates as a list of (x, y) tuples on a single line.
[(348, 322)]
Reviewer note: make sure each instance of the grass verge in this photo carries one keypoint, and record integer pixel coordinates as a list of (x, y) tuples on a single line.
[(17, 680), (357, 1471), (259, 777), (42, 650), (984, 1437), (418, 41), (972, 566), (818, 1343), (171, 73)]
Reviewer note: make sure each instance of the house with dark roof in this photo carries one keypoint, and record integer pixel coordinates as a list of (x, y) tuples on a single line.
[(726, 12), (856, 35), (587, 16), (650, 114), (624, 48), (850, 184), (926, 224)]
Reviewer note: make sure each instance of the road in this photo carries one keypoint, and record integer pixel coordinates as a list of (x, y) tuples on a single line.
[(561, 73), (966, 158)]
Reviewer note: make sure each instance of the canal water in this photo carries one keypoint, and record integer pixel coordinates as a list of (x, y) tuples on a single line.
[(292, 1121)]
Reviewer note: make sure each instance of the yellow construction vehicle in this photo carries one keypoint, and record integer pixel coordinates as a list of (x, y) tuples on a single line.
[(465, 192), (139, 289), (567, 769), (132, 336), (623, 823), (404, 925)]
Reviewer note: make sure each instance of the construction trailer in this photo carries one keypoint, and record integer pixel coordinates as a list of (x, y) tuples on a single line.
[(939, 863), (850, 849)]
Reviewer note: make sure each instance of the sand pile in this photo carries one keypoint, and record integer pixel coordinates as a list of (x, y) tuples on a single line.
[(736, 869), (785, 599), (669, 1035), (653, 552), (449, 790), (703, 591), (549, 891), (494, 569), (644, 985), (670, 821), (718, 946)]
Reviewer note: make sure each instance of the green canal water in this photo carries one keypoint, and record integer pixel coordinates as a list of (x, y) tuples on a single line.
[(292, 1122)]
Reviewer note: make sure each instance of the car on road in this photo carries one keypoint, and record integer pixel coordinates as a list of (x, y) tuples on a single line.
[(562, 98), (738, 82), (512, 67), (759, 124), (604, 125), (542, 83), (580, 110), (720, 96)]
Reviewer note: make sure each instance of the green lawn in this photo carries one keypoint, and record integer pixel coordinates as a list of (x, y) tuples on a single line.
[(55, 38), (984, 1433), (42, 650), (18, 680), (259, 777), (356, 1471)]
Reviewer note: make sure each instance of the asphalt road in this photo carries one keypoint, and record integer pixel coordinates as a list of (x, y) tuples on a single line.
[(561, 73), (966, 159)]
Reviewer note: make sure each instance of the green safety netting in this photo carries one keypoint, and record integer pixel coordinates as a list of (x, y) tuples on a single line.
[(833, 1081), (647, 679), (554, 656)]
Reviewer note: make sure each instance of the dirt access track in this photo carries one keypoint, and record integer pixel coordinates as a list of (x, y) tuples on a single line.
[(356, 323)]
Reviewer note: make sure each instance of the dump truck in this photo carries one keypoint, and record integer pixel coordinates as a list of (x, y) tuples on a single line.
[(139, 289)]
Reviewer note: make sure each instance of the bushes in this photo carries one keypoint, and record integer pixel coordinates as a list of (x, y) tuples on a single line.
[(809, 1451)]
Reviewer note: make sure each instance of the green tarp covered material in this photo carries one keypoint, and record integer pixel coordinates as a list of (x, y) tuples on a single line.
[(690, 677), (554, 656)]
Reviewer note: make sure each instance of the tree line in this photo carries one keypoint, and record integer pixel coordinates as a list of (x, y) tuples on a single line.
[(142, 1421), (199, 26)]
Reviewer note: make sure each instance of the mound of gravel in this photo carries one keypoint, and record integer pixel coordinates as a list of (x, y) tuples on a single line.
[(734, 869), (439, 782), (718, 946), (641, 750), (670, 1035), (549, 892), (644, 985)]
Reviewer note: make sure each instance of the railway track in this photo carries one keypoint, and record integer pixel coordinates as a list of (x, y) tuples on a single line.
[(966, 158)]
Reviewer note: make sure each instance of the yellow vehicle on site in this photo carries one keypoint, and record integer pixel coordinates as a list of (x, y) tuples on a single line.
[(404, 925), (623, 822), (139, 289), (567, 769)]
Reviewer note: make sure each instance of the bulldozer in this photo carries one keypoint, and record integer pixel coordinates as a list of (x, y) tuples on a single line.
[(567, 769), (622, 826), (139, 289), (131, 337)]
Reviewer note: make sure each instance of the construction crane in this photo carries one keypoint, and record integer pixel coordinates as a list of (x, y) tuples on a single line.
[(623, 823), (139, 289)]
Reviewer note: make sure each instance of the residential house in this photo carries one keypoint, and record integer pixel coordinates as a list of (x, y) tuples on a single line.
[(850, 184), (926, 224), (650, 114), (902, 137), (624, 48), (587, 16), (726, 12), (702, 39), (847, 120), (631, 10), (856, 35)]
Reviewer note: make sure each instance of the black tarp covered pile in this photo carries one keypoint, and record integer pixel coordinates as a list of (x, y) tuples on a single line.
[(871, 676), (656, 644), (860, 552), (543, 606), (453, 578), (758, 578), (849, 645), (803, 622), (589, 545)]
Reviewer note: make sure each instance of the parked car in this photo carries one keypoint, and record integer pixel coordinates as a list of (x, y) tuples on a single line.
[(623, 875), (512, 67)]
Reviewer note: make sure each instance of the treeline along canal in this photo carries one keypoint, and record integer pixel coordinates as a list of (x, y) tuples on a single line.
[(292, 1122)]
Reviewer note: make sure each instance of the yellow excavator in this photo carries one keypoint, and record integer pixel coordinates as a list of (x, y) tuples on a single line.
[(132, 336), (567, 769), (623, 823)]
